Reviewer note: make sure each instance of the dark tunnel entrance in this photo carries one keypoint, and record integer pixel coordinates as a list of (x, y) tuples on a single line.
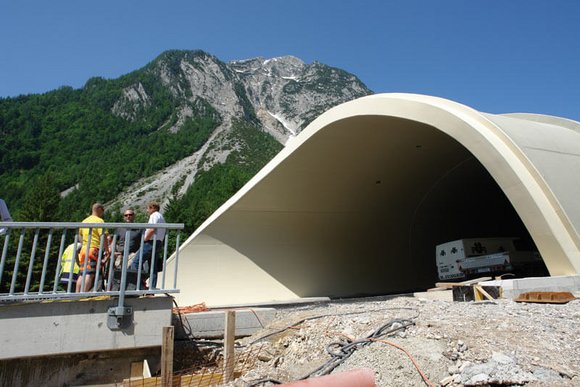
[(467, 203)]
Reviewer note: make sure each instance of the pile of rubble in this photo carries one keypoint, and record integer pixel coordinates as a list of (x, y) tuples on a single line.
[(497, 342)]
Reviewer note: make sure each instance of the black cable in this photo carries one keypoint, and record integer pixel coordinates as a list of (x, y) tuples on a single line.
[(322, 316), (262, 381), (187, 331), (345, 349), (337, 358)]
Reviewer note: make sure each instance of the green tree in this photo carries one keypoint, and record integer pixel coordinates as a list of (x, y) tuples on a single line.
[(41, 202)]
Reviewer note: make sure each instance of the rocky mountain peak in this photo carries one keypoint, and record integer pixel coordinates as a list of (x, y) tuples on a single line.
[(280, 96), (285, 66)]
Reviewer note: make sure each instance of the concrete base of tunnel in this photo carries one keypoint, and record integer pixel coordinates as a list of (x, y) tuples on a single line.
[(356, 206)]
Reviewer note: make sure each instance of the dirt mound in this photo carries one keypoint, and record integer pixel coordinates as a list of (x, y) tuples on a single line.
[(450, 343)]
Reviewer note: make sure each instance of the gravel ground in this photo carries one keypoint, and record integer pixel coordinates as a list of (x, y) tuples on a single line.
[(453, 343)]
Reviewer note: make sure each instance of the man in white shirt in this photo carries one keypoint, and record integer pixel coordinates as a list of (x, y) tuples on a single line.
[(4, 215), (151, 235)]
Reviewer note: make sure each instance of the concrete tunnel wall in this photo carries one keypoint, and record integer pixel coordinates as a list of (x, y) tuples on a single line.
[(357, 202)]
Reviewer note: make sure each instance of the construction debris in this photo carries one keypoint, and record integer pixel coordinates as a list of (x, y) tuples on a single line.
[(546, 297), (191, 309), (453, 343)]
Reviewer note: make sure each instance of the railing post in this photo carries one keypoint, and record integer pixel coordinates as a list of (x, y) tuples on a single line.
[(4, 253), (87, 252), (112, 260), (45, 262), (99, 259), (58, 263), (17, 262), (165, 244), (140, 260), (152, 261), (176, 260), (121, 316), (71, 269), (31, 263)]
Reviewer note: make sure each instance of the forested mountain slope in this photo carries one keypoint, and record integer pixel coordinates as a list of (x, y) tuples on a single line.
[(187, 130)]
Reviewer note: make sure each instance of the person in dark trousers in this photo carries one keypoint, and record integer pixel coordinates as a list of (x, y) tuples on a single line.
[(152, 235), (134, 235)]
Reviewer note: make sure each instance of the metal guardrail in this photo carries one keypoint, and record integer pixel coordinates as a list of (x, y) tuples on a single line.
[(24, 277)]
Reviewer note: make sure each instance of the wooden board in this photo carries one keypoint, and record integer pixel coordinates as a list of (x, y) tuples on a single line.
[(448, 285)]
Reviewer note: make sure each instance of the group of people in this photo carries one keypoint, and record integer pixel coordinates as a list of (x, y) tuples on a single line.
[(81, 258), (127, 239)]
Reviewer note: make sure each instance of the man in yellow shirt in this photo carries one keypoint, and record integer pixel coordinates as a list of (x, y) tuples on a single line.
[(92, 246), (69, 269)]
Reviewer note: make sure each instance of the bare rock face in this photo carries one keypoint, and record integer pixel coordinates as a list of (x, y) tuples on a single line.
[(280, 96), (134, 98)]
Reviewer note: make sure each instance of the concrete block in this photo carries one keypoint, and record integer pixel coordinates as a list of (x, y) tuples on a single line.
[(514, 287), (211, 324)]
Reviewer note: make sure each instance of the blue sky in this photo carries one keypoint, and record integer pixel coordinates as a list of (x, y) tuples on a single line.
[(495, 56)]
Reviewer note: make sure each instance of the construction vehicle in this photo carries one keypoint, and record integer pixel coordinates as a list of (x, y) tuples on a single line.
[(466, 258)]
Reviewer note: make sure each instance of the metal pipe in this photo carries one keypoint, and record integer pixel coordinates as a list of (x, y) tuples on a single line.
[(164, 259), (45, 262), (99, 257), (140, 261), (31, 261), (17, 262), (176, 260), (71, 269), (87, 251), (123, 284), (112, 262), (4, 253), (152, 262), (58, 263)]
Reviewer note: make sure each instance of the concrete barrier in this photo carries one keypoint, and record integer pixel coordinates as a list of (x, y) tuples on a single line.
[(66, 327), (211, 324)]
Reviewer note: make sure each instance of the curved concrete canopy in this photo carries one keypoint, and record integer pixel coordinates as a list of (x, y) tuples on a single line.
[(357, 202)]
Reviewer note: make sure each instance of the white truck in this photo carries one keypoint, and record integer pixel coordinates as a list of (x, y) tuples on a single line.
[(462, 258)]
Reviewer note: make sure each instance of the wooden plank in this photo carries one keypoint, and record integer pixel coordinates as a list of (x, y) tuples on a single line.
[(480, 290), (438, 289), (229, 340), (204, 380), (167, 357), (448, 285), (140, 370), (137, 370)]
